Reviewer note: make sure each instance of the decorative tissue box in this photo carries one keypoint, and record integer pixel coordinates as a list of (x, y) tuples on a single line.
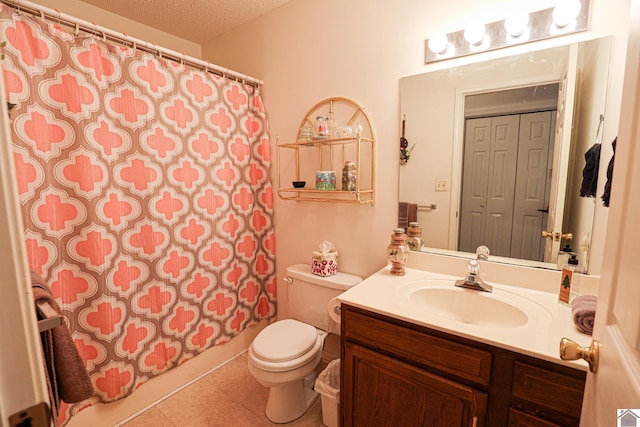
[(324, 264)]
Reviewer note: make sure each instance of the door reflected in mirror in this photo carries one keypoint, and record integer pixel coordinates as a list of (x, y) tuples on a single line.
[(499, 150)]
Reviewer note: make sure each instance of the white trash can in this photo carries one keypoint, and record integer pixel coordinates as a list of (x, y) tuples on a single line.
[(328, 385)]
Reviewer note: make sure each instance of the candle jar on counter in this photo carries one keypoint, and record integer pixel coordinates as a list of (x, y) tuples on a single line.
[(414, 236), (398, 251)]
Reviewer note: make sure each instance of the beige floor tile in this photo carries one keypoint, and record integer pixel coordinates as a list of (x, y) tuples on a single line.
[(190, 402), (229, 396), (151, 417), (225, 412), (235, 380), (311, 418)]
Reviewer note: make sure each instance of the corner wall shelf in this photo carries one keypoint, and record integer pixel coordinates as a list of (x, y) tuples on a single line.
[(352, 139)]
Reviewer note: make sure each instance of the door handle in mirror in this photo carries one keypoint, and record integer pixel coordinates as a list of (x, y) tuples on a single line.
[(570, 350), (557, 236)]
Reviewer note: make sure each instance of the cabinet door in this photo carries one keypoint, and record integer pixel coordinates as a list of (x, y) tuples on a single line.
[(378, 390)]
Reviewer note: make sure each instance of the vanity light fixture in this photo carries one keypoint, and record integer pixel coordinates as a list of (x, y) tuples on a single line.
[(475, 33), (567, 17), (565, 12), (516, 24), (438, 43)]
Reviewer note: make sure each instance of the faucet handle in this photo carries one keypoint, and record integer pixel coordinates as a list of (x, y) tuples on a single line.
[(482, 252), (473, 267)]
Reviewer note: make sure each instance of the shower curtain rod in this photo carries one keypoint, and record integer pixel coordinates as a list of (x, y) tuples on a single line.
[(77, 24)]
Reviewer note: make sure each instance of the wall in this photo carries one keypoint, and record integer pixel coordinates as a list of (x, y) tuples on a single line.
[(115, 22), (308, 51)]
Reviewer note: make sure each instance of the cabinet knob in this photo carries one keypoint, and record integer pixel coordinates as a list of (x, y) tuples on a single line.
[(570, 350)]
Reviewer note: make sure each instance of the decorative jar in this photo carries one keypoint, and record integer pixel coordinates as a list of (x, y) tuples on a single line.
[(322, 127), (398, 251), (414, 236), (325, 180), (349, 176)]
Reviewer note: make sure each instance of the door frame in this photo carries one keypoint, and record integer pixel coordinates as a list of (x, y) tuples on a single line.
[(22, 376)]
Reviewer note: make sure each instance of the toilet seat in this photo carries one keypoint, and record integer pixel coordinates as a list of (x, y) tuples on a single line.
[(285, 345)]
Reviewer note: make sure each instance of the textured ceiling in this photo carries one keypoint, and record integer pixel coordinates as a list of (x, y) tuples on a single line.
[(195, 20)]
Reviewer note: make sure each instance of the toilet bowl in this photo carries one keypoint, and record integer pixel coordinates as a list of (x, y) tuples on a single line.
[(286, 355)]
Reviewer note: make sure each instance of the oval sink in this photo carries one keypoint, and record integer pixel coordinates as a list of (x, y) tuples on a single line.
[(469, 306), (497, 309)]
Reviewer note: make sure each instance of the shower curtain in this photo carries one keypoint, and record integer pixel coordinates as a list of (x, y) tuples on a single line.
[(146, 198)]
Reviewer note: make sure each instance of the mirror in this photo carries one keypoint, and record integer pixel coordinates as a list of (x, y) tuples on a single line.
[(568, 83)]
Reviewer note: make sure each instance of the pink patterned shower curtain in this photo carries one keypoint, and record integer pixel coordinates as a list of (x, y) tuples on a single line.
[(146, 197)]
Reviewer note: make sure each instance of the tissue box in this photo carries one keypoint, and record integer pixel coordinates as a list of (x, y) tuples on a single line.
[(324, 264)]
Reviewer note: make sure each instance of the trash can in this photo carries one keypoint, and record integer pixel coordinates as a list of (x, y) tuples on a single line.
[(328, 385)]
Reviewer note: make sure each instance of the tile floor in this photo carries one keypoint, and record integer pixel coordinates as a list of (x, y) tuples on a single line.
[(228, 396)]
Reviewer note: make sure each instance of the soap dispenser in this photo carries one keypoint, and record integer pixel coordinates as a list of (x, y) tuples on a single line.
[(563, 255), (570, 280)]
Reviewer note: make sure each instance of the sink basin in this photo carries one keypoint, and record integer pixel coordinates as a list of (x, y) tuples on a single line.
[(498, 309)]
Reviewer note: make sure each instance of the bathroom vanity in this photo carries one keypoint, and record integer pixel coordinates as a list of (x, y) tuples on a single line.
[(416, 351), (397, 373)]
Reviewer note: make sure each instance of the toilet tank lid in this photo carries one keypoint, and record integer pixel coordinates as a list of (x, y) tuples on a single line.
[(342, 281)]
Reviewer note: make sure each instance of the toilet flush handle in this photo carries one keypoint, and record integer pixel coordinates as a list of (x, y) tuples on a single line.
[(288, 280)]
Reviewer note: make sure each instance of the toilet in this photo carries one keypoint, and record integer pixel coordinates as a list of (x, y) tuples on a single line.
[(286, 355)]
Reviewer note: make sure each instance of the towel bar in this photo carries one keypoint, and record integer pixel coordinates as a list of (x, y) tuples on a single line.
[(48, 318)]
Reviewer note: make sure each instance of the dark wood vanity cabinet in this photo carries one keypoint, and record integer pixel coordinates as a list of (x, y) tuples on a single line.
[(396, 373)]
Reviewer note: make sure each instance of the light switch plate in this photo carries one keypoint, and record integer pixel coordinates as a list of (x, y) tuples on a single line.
[(442, 185)]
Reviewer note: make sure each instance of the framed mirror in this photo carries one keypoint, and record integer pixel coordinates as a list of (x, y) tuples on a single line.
[(496, 152)]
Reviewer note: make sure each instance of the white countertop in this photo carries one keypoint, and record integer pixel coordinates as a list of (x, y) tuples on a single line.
[(540, 337)]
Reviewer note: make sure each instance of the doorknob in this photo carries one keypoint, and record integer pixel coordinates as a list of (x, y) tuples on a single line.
[(557, 236), (570, 350), (548, 234)]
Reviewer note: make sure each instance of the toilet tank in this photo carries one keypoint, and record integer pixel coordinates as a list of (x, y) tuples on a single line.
[(309, 294)]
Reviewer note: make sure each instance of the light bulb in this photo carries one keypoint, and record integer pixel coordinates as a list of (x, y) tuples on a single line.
[(516, 23), (438, 43), (474, 33), (565, 12)]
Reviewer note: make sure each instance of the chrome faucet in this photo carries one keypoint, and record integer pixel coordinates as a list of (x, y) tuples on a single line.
[(472, 280)]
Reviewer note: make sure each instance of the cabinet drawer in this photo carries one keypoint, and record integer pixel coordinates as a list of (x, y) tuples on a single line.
[(418, 347), (553, 390), (522, 419)]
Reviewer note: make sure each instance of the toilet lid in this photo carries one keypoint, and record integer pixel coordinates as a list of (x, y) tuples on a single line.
[(284, 340)]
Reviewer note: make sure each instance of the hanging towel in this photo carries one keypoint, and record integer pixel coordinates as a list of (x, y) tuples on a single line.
[(403, 215), (607, 187), (584, 312), (67, 377), (590, 171), (407, 212)]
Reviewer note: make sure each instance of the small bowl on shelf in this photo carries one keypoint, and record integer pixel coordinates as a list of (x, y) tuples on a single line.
[(299, 184)]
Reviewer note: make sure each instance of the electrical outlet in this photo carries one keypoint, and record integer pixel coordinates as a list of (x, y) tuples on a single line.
[(442, 185)]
